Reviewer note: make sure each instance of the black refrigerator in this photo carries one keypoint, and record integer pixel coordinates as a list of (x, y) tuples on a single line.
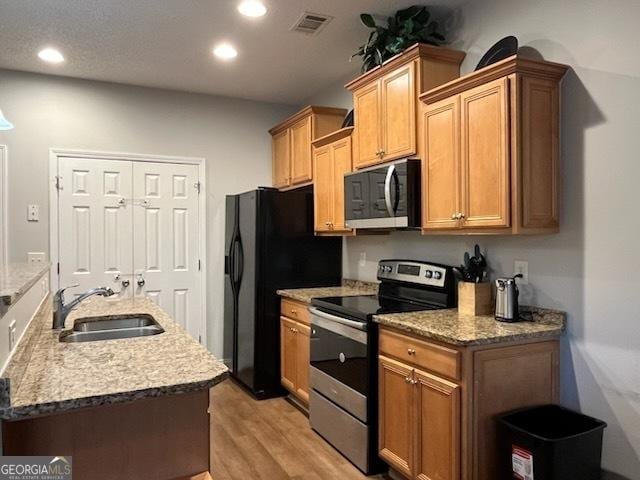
[(269, 245)]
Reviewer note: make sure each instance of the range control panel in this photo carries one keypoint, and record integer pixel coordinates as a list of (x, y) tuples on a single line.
[(413, 272)]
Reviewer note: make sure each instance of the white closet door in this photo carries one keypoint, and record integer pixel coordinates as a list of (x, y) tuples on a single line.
[(95, 223), (165, 240)]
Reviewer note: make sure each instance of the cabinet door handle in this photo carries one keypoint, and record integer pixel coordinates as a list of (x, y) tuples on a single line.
[(294, 311), (407, 380), (411, 351), (414, 382)]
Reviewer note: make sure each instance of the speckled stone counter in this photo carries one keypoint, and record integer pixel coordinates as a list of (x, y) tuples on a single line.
[(450, 327), (349, 288), (50, 376), (17, 278)]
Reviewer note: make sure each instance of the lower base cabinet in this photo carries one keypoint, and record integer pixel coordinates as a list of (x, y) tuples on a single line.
[(419, 422), (295, 337), (438, 404)]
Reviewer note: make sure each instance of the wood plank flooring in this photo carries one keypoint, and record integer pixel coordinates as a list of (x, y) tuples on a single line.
[(268, 440)]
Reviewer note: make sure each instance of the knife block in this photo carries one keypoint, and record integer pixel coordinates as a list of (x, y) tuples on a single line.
[(474, 298)]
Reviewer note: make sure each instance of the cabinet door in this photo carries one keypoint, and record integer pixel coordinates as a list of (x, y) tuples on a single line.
[(280, 145), (367, 144), (303, 357), (323, 186), (398, 113), (441, 164), (301, 169), (485, 155), (438, 407), (396, 415), (288, 355), (342, 157)]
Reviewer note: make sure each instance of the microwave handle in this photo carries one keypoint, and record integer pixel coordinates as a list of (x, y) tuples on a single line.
[(387, 190)]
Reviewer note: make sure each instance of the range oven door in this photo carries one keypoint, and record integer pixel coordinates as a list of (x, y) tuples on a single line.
[(340, 367), (383, 197)]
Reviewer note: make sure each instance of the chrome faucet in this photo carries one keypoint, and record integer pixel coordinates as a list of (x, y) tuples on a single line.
[(62, 311)]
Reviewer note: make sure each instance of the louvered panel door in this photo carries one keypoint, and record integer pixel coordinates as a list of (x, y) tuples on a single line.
[(165, 240), (95, 224)]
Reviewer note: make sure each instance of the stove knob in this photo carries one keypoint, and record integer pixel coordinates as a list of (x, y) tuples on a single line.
[(429, 274), (437, 275), (381, 268), (389, 268)]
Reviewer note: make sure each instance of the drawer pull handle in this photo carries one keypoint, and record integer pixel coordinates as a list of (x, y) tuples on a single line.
[(411, 351), (294, 311), (407, 380)]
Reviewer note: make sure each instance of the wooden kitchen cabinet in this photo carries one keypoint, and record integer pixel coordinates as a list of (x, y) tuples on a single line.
[(295, 336), (438, 403), (291, 144), (331, 160), (491, 151), (386, 102), (396, 425)]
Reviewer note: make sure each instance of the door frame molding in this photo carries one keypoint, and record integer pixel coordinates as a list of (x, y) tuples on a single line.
[(55, 154), (4, 208)]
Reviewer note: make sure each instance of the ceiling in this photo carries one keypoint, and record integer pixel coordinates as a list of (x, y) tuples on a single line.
[(168, 43)]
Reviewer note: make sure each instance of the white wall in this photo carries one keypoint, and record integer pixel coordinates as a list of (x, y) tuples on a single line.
[(589, 269), (58, 112)]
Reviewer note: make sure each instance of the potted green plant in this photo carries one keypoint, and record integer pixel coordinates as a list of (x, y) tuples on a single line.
[(407, 27)]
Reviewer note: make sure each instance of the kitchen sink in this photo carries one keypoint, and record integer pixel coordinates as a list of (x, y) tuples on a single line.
[(112, 327)]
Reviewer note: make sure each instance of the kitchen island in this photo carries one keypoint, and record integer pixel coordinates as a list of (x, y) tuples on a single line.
[(127, 408)]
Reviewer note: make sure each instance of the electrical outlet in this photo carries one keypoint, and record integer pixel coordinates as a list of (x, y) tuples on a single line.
[(363, 259), (12, 334), (521, 267), (36, 257), (33, 213)]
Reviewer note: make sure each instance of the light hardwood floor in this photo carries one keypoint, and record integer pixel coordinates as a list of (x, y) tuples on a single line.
[(268, 440)]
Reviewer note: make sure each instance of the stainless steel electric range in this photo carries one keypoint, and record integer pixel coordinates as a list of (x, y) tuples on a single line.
[(343, 404)]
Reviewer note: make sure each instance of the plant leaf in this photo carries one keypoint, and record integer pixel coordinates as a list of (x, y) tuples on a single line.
[(407, 13), (423, 17), (367, 20)]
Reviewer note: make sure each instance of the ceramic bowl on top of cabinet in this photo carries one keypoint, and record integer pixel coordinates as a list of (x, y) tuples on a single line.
[(490, 150), (291, 143), (385, 101)]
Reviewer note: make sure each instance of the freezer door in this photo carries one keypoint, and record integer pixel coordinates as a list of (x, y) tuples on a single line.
[(230, 294), (245, 266)]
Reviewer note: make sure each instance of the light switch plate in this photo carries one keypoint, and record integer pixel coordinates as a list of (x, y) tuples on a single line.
[(33, 213), (36, 257), (521, 267), (12, 334)]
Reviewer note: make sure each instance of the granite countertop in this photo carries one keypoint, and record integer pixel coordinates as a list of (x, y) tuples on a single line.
[(17, 278), (451, 327), (46, 376), (349, 288)]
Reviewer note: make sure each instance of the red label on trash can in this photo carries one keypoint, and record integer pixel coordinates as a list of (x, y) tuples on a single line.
[(522, 463)]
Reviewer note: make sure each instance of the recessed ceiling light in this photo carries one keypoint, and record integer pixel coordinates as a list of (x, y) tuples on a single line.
[(225, 51), (252, 8), (51, 55)]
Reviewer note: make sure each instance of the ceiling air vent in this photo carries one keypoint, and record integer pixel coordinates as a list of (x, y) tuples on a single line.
[(311, 23)]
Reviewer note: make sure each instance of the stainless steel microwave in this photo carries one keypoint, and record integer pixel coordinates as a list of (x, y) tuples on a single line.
[(386, 196)]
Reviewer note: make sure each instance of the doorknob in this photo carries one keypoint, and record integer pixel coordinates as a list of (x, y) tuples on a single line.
[(125, 283), (141, 280)]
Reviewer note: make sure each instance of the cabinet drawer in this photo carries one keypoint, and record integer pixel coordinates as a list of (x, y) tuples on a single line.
[(434, 358), (297, 311)]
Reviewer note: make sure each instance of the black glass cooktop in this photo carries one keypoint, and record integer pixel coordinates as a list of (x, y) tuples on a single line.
[(363, 307)]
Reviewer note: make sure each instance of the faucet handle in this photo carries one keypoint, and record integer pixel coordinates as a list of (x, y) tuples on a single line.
[(60, 293)]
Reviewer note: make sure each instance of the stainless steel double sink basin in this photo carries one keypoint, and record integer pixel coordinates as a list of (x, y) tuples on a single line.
[(112, 327)]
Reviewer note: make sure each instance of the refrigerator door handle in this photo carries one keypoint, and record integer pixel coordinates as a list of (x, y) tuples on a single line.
[(240, 261)]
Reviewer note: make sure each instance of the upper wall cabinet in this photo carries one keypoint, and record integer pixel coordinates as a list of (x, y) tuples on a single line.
[(331, 160), (490, 150), (385, 102), (291, 141)]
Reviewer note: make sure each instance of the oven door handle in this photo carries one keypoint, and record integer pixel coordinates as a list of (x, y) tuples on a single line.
[(387, 190), (335, 318)]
